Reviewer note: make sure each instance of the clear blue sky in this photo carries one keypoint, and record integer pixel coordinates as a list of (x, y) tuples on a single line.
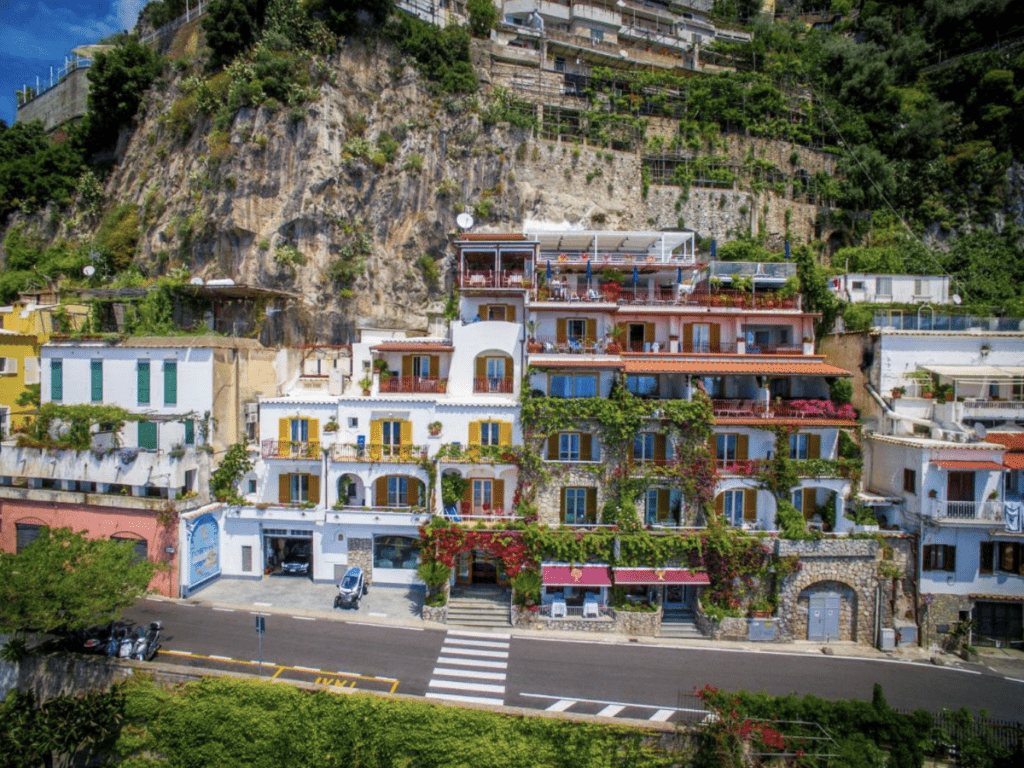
[(38, 34)]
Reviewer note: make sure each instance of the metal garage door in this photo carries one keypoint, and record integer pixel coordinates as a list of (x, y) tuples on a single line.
[(823, 617)]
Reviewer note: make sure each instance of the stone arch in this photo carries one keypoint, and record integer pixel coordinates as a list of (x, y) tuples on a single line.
[(848, 607), (350, 489), (489, 375)]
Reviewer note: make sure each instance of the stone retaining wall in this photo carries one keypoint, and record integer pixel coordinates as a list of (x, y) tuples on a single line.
[(438, 614), (729, 628), (360, 552), (638, 623)]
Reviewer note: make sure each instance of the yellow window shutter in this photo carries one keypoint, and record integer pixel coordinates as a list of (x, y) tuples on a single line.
[(586, 447), (498, 495), (505, 433), (742, 447), (467, 495), (509, 364), (716, 337), (553, 446), (376, 439), (808, 503), (484, 312), (284, 488), (481, 367), (663, 504), (562, 331), (435, 366), (814, 446), (720, 504), (648, 333), (561, 507), (510, 313), (659, 447), (474, 433), (592, 504), (284, 430), (591, 330), (687, 337), (406, 366), (314, 488), (713, 446), (750, 505), (382, 492), (314, 430), (406, 433)]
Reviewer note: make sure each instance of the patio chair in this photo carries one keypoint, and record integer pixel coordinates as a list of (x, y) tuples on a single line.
[(558, 608), (591, 607)]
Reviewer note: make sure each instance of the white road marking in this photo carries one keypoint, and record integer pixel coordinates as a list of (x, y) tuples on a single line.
[(469, 633), (611, 710), (389, 626), (561, 705), (262, 603), (602, 701), (304, 618), (265, 663), (476, 652), (466, 699), (479, 643), (458, 685), (472, 662), (221, 658), (378, 614), (662, 715), (307, 669), (225, 610), (472, 673), (1014, 680)]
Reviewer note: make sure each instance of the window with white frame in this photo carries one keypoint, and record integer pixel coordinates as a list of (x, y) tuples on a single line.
[(725, 448), (576, 506), (798, 446), (398, 491), (651, 506), (797, 499), (391, 437), (495, 369), (576, 329), (569, 446), (489, 433), (733, 507), (643, 446), (483, 491), (300, 488), (421, 366), (642, 386), (573, 385)]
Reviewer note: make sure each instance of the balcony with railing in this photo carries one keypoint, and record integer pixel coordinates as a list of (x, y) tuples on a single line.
[(388, 454), (667, 295), (485, 514), (290, 449), (970, 511), (783, 409), (485, 384), (419, 385), (488, 278)]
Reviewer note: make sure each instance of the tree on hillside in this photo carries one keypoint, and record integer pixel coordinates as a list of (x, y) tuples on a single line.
[(483, 15), (34, 169), (342, 17), (118, 80), (64, 582), (231, 26)]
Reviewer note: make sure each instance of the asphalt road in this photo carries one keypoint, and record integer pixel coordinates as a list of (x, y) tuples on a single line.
[(623, 680)]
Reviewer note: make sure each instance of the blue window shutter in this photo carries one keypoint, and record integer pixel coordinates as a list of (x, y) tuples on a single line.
[(96, 367), (57, 380), (143, 382), (147, 435), (170, 382), (190, 432)]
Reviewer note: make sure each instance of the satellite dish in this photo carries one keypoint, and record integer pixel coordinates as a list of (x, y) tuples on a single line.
[(980, 431), (464, 220), (196, 281), (89, 270), (957, 299)]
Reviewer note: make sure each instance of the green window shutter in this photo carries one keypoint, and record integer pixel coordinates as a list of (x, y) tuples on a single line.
[(96, 369), (143, 382), (190, 432), (147, 435), (57, 380), (170, 382)]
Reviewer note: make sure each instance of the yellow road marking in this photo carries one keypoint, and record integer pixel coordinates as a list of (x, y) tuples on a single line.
[(339, 679), (279, 671)]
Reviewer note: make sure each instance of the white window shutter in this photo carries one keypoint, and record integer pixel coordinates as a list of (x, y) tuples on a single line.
[(31, 370)]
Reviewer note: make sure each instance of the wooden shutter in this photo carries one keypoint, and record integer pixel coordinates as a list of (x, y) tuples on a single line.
[(190, 432), (57, 380), (284, 488), (314, 430), (284, 430), (314, 488), (143, 369), (713, 446), (147, 435), (561, 331), (504, 433), (591, 330), (376, 439), (498, 495), (435, 366), (561, 506), (510, 313), (381, 492), (659, 447), (96, 374), (716, 337), (406, 366), (474, 433), (648, 333), (592, 505), (509, 364), (749, 505), (170, 382), (742, 447), (814, 446), (687, 337), (467, 495), (663, 510), (586, 447), (720, 504), (481, 367), (553, 446), (808, 503), (406, 433)]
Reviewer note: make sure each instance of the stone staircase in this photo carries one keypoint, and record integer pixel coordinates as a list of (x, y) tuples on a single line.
[(679, 625), (479, 608)]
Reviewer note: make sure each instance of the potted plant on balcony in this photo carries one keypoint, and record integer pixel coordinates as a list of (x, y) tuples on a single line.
[(331, 425), (366, 383), (435, 428), (898, 392)]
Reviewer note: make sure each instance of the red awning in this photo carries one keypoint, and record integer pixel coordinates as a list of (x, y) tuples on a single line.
[(969, 465), (659, 576), (587, 575)]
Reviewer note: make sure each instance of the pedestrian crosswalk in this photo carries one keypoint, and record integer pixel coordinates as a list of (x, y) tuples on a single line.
[(620, 709), (471, 667)]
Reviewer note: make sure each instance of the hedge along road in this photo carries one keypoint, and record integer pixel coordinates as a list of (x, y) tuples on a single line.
[(625, 680)]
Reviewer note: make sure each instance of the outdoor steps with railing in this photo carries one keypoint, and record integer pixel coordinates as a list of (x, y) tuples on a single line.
[(679, 624), (479, 608)]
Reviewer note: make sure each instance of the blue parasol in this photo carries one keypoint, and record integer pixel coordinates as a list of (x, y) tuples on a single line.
[(548, 273), (787, 250), (589, 273), (636, 275), (714, 248)]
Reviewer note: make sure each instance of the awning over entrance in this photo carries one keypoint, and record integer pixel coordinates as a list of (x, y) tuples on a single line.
[(659, 576), (586, 575), (968, 465)]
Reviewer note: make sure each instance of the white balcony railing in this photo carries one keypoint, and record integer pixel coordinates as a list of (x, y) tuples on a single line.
[(989, 511)]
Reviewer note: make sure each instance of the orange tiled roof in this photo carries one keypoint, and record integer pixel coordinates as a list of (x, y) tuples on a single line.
[(412, 346), (963, 464), (714, 367), (581, 363), (1012, 440), (1013, 460)]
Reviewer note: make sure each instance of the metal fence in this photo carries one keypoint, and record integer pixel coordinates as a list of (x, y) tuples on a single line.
[(953, 730)]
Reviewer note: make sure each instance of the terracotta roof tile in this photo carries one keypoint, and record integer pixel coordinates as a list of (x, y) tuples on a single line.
[(413, 346), (1013, 460), (579, 363), (1012, 440), (715, 367), (964, 464)]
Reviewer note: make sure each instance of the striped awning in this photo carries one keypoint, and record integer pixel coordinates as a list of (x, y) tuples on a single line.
[(586, 575), (659, 576)]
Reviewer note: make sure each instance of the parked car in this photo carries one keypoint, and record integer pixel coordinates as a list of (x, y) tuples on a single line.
[(295, 565), (351, 588)]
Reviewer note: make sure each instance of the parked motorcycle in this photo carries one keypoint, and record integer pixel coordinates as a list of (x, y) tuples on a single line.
[(148, 642), (139, 646), (127, 644), (114, 641), (94, 640)]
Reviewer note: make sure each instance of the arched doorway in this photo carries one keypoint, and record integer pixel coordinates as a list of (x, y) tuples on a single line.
[(831, 610)]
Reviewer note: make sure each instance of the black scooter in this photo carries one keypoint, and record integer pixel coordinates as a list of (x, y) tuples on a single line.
[(148, 643)]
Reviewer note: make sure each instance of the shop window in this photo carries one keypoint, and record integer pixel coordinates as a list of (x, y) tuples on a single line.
[(396, 552)]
